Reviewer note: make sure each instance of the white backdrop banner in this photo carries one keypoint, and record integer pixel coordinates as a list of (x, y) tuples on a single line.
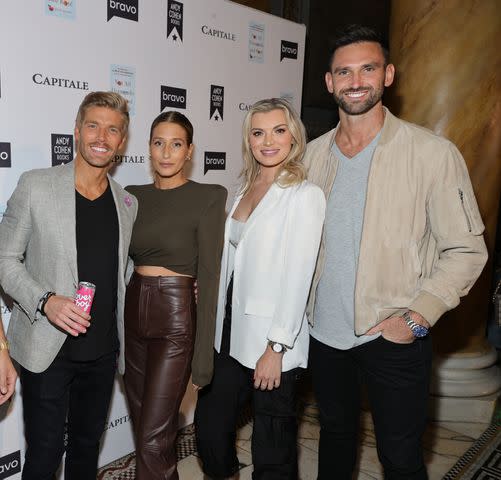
[(209, 59)]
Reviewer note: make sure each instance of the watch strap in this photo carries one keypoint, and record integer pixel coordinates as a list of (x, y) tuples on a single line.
[(277, 347), (43, 301), (418, 330)]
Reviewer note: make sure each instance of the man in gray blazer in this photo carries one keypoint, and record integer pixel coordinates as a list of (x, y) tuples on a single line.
[(63, 225)]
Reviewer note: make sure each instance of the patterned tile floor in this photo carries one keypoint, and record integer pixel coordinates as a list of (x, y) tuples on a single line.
[(445, 443)]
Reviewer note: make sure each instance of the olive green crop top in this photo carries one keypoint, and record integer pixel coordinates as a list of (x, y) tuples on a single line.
[(182, 229)]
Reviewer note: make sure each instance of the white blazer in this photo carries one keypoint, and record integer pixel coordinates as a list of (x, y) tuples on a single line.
[(273, 266)]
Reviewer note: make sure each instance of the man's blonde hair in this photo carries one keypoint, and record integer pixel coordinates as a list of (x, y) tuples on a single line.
[(111, 100)]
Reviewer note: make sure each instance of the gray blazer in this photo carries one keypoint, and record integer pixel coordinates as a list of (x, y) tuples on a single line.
[(38, 254)]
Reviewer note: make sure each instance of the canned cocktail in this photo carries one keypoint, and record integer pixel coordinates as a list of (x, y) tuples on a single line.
[(84, 295)]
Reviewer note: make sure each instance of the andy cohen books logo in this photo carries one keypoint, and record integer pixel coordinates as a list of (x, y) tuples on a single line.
[(288, 50), (172, 97), (5, 159), (214, 161), (216, 103), (127, 9), (175, 20), (62, 148)]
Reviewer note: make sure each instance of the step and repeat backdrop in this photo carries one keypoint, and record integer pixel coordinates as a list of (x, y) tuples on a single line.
[(209, 59)]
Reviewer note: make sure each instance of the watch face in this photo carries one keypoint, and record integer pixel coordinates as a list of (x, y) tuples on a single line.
[(277, 347), (420, 331)]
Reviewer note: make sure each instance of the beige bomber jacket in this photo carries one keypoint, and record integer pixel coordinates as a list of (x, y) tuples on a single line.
[(422, 246)]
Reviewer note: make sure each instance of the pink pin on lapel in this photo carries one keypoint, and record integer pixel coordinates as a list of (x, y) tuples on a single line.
[(128, 201)]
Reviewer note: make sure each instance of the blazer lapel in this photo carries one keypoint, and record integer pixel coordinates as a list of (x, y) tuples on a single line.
[(63, 186), (123, 222), (267, 202)]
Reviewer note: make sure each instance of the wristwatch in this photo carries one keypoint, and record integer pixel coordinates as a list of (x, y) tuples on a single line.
[(419, 331), (277, 347), (43, 301)]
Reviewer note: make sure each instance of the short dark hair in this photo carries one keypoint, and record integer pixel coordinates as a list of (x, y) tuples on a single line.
[(356, 33), (174, 117)]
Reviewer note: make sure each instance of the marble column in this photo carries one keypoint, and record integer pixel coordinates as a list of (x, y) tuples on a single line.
[(448, 62)]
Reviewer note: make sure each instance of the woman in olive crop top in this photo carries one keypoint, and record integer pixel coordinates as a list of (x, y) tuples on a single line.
[(177, 238)]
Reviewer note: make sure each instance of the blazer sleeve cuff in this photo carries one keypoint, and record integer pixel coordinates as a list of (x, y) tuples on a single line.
[(280, 335)]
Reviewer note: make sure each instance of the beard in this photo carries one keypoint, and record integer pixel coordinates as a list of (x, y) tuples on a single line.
[(373, 98)]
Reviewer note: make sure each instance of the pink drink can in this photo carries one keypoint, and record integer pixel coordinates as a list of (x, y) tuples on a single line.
[(84, 296)]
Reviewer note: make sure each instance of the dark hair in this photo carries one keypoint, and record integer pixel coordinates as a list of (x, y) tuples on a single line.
[(356, 33), (111, 100), (174, 117)]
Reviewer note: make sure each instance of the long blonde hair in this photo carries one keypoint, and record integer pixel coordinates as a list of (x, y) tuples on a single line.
[(292, 170)]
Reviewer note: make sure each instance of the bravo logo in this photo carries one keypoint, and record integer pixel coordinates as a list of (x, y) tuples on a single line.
[(5, 160), (288, 50), (214, 161), (172, 97), (127, 9), (10, 464)]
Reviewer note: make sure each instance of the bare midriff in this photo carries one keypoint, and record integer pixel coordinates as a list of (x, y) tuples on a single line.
[(154, 271)]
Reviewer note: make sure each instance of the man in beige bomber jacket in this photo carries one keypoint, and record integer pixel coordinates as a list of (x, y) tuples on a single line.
[(402, 243)]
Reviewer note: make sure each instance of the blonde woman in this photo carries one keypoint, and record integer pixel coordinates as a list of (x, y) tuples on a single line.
[(271, 242)]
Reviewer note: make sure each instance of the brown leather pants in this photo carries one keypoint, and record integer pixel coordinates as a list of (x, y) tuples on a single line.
[(159, 339)]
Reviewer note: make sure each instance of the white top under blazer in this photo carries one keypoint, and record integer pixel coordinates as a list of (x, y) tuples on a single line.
[(272, 266)]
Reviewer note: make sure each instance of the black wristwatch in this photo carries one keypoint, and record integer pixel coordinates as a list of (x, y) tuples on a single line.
[(277, 347), (419, 331), (43, 301)]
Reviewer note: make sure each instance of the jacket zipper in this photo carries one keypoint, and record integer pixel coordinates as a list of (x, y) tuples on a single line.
[(461, 196)]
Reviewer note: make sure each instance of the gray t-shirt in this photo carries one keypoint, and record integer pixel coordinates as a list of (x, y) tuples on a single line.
[(335, 300)]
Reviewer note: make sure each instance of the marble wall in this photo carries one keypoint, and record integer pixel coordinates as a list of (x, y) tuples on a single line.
[(447, 54)]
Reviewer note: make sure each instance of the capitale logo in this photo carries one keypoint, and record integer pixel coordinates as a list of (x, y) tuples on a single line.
[(244, 107), (214, 161), (127, 9), (129, 159), (10, 464), (256, 42), (172, 97), (5, 157), (61, 8), (62, 148), (175, 20), (288, 50), (123, 81), (216, 111), (117, 422), (41, 79), (215, 32)]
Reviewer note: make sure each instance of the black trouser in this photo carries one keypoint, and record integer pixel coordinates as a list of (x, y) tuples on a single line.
[(397, 378), (81, 390), (274, 450)]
